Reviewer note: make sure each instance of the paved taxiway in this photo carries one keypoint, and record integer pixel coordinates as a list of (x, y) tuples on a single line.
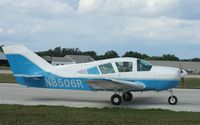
[(189, 99)]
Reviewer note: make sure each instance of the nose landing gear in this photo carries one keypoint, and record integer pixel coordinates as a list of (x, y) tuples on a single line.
[(172, 100)]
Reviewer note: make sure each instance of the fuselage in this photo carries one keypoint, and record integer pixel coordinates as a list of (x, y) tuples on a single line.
[(75, 76)]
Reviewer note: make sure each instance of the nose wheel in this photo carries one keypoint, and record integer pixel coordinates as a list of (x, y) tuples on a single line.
[(172, 100)]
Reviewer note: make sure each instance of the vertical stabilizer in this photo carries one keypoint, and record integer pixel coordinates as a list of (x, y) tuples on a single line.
[(24, 61)]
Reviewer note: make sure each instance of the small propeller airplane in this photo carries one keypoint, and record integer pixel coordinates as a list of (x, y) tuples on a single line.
[(120, 75)]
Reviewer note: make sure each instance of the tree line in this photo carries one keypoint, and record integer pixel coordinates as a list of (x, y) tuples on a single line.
[(61, 52)]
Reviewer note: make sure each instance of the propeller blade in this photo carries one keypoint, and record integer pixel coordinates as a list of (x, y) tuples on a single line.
[(181, 69)]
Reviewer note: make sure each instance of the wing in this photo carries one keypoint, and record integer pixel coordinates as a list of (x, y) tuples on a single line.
[(114, 84)]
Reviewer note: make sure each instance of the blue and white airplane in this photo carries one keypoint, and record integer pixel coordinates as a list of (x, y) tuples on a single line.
[(120, 75)]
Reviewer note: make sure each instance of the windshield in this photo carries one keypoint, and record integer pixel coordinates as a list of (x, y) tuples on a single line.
[(143, 65)]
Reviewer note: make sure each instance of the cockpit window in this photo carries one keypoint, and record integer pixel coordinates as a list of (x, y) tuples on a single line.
[(124, 66), (93, 70), (106, 68), (143, 65)]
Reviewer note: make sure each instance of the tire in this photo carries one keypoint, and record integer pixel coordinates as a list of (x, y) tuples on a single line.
[(127, 96), (172, 100), (116, 99)]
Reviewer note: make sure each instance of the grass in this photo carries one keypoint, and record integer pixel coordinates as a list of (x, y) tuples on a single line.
[(192, 83), (7, 78), (4, 68), (49, 115)]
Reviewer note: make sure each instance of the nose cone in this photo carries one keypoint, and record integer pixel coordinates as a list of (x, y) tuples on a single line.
[(166, 73), (166, 77), (182, 73)]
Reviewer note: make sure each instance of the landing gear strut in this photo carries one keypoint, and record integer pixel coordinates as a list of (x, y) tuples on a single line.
[(172, 100)]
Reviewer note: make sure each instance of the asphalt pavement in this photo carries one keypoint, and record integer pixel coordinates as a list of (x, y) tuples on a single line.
[(189, 99)]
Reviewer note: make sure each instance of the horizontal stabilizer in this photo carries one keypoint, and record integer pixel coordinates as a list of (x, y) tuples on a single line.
[(28, 76)]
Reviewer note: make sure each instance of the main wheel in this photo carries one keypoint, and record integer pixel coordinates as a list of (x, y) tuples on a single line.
[(127, 96), (172, 100), (116, 99)]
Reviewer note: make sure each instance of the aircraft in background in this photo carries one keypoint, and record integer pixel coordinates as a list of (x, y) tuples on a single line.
[(120, 75)]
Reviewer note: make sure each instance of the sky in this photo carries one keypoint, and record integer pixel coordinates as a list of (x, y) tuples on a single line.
[(154, 27)]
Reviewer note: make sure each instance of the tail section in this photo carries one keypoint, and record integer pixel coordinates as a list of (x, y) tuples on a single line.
[(25, 63)]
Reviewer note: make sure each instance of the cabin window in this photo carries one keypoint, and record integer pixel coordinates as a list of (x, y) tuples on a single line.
[(93, 70), (124, 66), (106, 68), (143, 65)]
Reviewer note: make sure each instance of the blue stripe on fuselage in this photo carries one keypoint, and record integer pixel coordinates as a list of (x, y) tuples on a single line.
[(159, 84), (67, 83), (56, 82)]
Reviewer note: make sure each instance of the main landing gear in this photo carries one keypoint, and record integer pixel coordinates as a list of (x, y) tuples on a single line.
[(116, 99), (172, 100)]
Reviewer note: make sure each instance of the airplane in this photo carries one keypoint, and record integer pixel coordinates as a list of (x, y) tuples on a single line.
[(119, 75)]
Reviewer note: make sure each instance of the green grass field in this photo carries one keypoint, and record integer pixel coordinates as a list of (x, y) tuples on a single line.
[(46, 115), (7, 78), (4, 68), (193, 83)]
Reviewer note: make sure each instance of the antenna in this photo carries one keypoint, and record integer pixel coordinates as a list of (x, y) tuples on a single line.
[(181, 69), (182, 78)]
